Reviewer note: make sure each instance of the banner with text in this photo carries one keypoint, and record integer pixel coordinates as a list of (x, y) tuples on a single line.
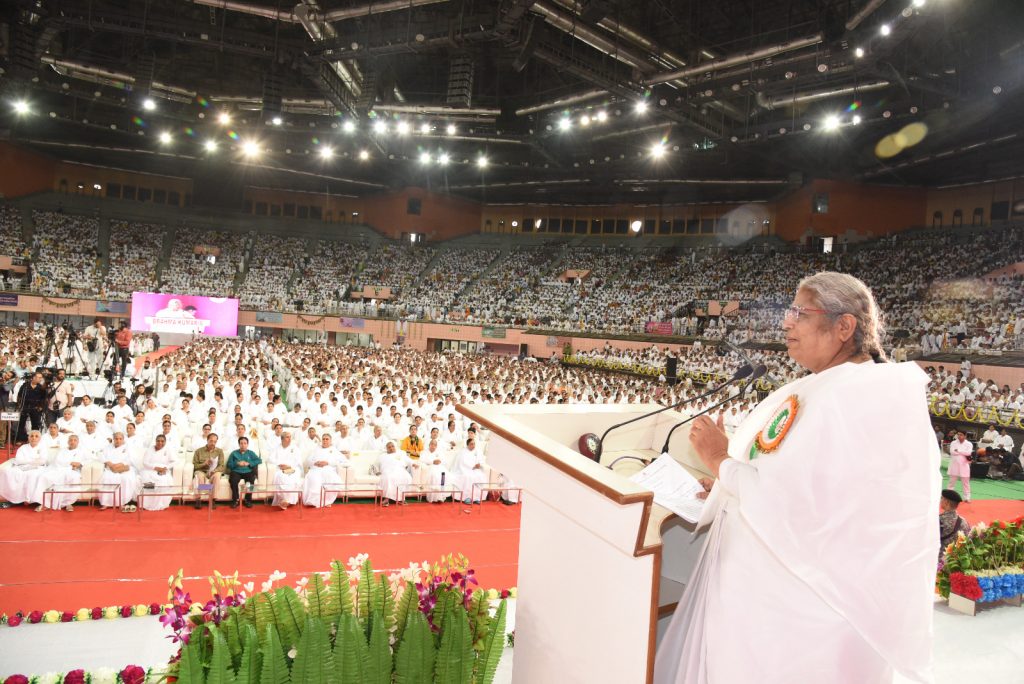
[(352, 323), (658, 328), (188, 314)]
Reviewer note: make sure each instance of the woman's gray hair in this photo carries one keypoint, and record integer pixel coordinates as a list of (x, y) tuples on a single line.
[(841, 293)]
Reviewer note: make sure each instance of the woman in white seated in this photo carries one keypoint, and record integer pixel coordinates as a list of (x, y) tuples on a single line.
[(468, 470), (52, 441), (394, 471), (435, 470), (117, 469), (156, 469), (287, 469), (65, 470), (322, 470), (18, 481)]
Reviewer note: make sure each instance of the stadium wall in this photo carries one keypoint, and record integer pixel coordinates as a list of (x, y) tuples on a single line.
[(974, 205), (854, 210), (23, 172)]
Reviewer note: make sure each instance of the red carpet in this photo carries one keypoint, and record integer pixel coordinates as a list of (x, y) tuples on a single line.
[(67, 561), (987, 510), (153, 356)]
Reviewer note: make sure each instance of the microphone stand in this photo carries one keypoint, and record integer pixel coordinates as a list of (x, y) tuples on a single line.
[(761, 370), (741, 373)]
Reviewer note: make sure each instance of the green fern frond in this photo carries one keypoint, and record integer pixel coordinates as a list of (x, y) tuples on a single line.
[(378, 665), (275, 667), (407, 602), (364, 595), (190, 667), (251, 660), (220, 662), (341, 589), (319, 598), (291, 609), (454, 663), (479, 617), (414, 658), (263, 613), (350, 651), (314, 663), (486, 663), (387, 604)]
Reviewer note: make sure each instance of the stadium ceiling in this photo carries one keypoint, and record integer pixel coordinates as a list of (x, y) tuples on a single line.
[(519, 100)]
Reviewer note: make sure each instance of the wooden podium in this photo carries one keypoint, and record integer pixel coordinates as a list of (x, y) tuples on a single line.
[(601, 566)]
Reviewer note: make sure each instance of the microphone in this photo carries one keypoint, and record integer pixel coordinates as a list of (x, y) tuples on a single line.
[(742, 353), (742, 372), (758, 372)]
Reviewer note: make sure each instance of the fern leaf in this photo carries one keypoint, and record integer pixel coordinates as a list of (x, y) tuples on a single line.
[(291, 609), (350, 651), (454, 663), (319, 598), (233, 628), (263, 614), (378, 664), (364, 595), (220, 662), (275, 667), (407, 603), (479, 617), (486, 663), (289, 629), (387, 604), (341, 589), (314, 663), (414, 659), (251, 660), (190, 667)]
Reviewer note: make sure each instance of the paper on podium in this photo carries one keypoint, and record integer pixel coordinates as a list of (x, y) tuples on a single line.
[(673, 487)]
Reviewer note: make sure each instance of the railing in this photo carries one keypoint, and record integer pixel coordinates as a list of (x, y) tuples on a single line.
[(982, 415)]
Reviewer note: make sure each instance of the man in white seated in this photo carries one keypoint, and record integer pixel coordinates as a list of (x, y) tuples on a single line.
[(395, 472), (117, 469), (344, 442), (361, 434), (468, 470), (434, 471), (66, 469), (122, 413), (93, 442), (286, 466), (18, 482), (322, 469), (156, 470)]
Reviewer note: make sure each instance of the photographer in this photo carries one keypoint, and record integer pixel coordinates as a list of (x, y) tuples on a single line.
[(61, 395), (95, 338), (32, 403), (6, 386), (123, 339)]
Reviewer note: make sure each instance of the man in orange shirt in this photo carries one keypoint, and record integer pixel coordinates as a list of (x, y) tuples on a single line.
[(412, 445), (123, 339)]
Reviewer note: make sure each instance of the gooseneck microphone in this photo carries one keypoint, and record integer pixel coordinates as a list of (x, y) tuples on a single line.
[(758, 372), (741, 373)]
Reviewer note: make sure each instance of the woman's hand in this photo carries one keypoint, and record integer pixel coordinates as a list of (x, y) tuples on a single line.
[(707, 483), (710, 442)]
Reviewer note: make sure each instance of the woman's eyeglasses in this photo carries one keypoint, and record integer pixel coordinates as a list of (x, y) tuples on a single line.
[(794, 312)]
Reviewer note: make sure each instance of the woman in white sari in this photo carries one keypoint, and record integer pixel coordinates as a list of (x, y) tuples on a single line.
[(118, 469), (66, 469), (18, 481)]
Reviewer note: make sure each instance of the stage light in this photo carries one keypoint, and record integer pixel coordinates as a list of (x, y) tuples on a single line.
[(515, 224), (584, 120), (658, 150), (424, 128), (564, 124), (97, 186), (451, 130), (858, 53), (538, 223), (885, 29), (831, 122), (224, 118), (210, 145), (349, 126), (364, 155), (424, 157), (250, 149), (412, 237), (856, 119), (149, 104), (918, 3), (21, 107), (442, 158), (402, 128), (482, 162), (165, 138), (602, 116), (277, 121), (326, 152), (641, 106), (380, 128), (635, 226)]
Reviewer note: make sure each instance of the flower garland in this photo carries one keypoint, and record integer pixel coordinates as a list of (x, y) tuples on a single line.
[(61, 305), (131, 674), (972, 414), (310, 321), (81, 615)]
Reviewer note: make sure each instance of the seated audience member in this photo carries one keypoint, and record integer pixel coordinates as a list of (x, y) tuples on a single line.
[(286, 465), (118, 469), (208, 464), (18, 482), (395, 467), (157, 471), (435, 471), (322, 469), (242, 465), (468, 470), (950, 522), (66, 469)]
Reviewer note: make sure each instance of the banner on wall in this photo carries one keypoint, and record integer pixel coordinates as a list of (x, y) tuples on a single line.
[(205, 250), (353, 323), (269, 317), (186, 314), (375, 292), (8, 300), (112, 307), (658, 327), (492, 332)]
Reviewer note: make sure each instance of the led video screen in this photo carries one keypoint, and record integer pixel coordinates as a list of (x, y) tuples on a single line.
[(186, 314)]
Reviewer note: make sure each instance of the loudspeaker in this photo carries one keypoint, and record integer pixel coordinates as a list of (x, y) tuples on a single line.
[(671, 365)]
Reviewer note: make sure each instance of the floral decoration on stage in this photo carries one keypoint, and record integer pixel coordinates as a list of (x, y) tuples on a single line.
[(132, 674), (985, 565)]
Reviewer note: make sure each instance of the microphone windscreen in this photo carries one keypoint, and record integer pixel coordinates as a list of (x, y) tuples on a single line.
[(742, 372)]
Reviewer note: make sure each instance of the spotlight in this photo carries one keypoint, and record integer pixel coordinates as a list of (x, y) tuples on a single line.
[(858, 53), (442, 158), (856, 119), (641, 106), (149, 104), (918, 3), (885, 29), (424, 128), (277, 121), (451, 129), (224, 118), (564, 124), (21, 107), (602, 116), (658, 150), (250, 149), (584, 120), (165, 138), (364, 155), (349, 126), (482, 162), (380, 128), (424, 157), (97, 186), (831, 122), (538, 223), (210, 145), (515, 224), (402, 128), (326, 152), (635, 226)]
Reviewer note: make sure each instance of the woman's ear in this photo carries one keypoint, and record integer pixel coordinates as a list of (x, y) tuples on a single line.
[(845, 327)]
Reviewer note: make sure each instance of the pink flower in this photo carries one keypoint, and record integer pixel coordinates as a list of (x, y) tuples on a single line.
[(75, 677), (14, 621), (35, 617), (133, 674), (16, 679), (66, 616), (126, 611)]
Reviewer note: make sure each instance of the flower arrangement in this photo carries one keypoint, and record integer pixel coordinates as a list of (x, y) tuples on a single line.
[(131, 674), (81, 615), (985, 565)]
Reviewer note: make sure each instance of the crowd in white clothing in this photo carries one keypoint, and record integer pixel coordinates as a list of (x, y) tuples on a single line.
[(11, 242), (65, 258), (270, 270), (134, 252), (191, 273)]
